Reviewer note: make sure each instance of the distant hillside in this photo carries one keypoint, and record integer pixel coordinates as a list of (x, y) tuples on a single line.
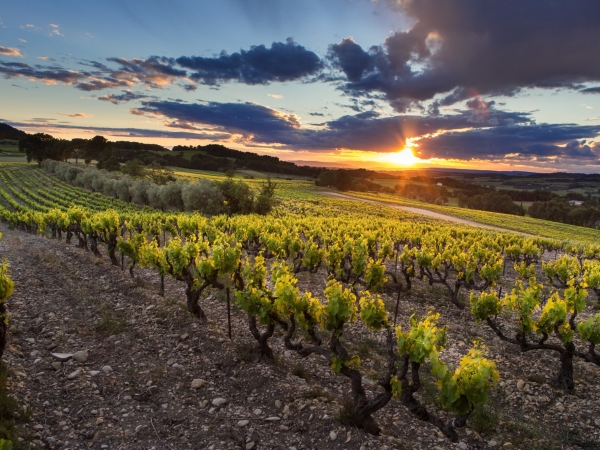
[(8, 132), (137, 146)]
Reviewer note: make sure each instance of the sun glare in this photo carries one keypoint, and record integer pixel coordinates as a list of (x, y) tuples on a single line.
[(404, 157)]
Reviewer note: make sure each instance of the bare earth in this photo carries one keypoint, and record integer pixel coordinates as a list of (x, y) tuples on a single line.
[(144, 352)]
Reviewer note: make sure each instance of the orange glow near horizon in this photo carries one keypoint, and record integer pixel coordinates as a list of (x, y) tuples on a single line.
[(404, 158)]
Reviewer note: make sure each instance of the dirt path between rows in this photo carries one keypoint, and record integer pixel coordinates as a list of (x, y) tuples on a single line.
[(424, 212)]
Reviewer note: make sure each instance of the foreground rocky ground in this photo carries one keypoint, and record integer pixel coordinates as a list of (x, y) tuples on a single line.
[(147, 375)]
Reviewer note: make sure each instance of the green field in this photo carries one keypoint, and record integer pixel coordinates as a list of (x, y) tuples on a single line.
[(10, 153), (299, 189), (529, 225)]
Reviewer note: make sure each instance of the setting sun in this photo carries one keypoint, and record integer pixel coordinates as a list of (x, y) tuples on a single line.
[(404, 157)]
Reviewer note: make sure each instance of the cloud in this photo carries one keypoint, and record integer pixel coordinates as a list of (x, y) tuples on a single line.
[(592, 90), (55, 30), (477, 132), (352, 59), (10, 51), (100, 83), (517, 142), (44, 74), (459, 49), (126, 96), (260, 65), (41, 119), (77, 115), (260, 125), (122, 132), (276, 96), (154, 72), (22, 40)]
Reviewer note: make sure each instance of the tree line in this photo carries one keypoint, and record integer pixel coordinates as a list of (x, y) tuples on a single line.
[(40, 146), (213, 157), (546, 205)]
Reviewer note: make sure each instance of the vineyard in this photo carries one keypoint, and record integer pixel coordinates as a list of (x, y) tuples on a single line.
[(528, 225), (410, 327)]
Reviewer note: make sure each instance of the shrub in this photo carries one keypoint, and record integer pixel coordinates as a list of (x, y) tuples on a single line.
[(139, 191), (170, 195), (238, 196), (122, 189), (204, 196), (265, 200), (154, 197)]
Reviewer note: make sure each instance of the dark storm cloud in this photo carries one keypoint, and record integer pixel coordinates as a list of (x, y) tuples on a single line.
[(126, 96), (260, 65), (478, 131), (592, 90), (464, 47), (262, 123), (521, 141), (351, 59), (364, 131), (370, 132)]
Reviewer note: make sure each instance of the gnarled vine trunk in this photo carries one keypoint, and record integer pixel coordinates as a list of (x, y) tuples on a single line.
[(361, 414), (94, 245), (564, 378), (112, 249), (409, 388), (262, 339), (3, 329)]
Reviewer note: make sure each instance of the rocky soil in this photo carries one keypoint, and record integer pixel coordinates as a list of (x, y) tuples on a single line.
[(142, 373)]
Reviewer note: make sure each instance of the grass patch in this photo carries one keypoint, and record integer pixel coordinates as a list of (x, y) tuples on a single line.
[(317, 392), (484, 418), (157, 373), (300, 371), (246, 351), (11, 413), (523, 432), (110, 324), (573, 439), (368, 345)]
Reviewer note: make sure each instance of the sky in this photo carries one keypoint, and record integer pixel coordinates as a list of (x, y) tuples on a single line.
[(387, 84)]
